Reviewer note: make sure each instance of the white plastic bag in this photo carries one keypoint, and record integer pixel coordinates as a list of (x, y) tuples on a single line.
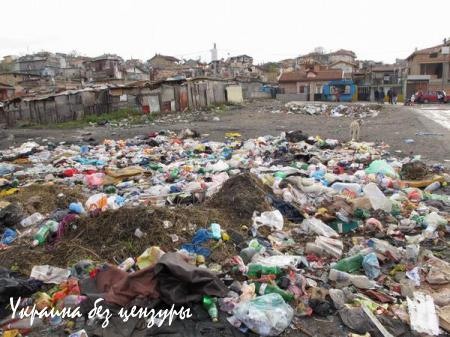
[(273, 219), (266, 315), (277, 260), (50, 274), (314, 225), (377, 199)]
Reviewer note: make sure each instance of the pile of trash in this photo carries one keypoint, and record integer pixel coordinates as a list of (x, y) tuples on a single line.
[(262, 235), (356, 110)]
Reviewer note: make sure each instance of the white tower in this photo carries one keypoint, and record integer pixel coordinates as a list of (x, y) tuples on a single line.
[(214, 53)]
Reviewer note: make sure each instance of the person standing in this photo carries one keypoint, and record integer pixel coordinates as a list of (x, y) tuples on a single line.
[(389, 93), (338, 95), (382, 96), (377, 95)]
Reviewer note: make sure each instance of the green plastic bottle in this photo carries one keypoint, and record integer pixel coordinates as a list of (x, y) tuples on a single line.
[(154, 166), (361, 213), (175, 173), (265, 288), (15, 183), (256, 270), (209, 303), (280, 175), (350, 264), (41, 235), (110, 189)]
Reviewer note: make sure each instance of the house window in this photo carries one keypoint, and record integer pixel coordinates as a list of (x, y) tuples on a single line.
[(433, 55), (433, 69), (302, 89)]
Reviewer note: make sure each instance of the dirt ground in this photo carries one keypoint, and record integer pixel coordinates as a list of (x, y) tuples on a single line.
[(392, 126)]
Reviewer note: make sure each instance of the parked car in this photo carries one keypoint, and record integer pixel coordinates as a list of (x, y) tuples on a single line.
[(432, 97)]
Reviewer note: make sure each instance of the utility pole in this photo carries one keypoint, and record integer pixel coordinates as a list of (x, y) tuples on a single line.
[(445, 65)]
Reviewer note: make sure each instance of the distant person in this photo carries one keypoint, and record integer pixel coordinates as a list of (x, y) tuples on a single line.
[(338, 95), (394, 96), (441, 95), (389, 93), (382, 96), (377, 95)]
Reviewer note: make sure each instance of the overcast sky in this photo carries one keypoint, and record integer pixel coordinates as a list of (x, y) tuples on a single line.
[(380, 30)]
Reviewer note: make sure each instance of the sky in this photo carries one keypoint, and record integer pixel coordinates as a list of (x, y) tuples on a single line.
[(380, 30)]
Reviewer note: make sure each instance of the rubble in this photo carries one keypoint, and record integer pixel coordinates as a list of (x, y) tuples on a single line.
[(259, 235)]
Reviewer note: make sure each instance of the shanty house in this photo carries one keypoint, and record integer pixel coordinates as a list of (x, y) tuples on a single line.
[(104, 68), (6, 91), (163, 61)]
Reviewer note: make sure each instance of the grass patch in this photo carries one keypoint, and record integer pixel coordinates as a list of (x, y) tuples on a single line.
[(115, 116)]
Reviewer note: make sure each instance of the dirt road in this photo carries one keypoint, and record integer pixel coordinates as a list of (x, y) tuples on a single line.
[(393, 125)]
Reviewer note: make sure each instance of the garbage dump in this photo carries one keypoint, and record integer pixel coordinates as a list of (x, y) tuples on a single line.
[(356, 110), (276, 235)]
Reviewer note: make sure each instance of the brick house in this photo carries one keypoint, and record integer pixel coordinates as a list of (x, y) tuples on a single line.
[(429, 69)]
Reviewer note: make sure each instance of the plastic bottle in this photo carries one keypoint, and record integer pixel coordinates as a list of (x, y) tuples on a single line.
[(359, 281), (110, 189), (384, 248), (433, 187), (32, 220), (265, 288), (256, 270), (339, 276), (127, 264), (125, 184), (216, 232), (362, 282), (247, 254), (350, 264), (41, 235), (312, 248), (175, 173), (209, 303)]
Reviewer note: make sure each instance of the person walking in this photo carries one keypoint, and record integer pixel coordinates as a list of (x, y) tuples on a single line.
[(382, 96), (377, 95), (394, 96), (389, 93)]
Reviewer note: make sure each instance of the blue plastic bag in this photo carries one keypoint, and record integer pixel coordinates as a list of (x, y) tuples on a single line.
[(9, 235), (371, 266)]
